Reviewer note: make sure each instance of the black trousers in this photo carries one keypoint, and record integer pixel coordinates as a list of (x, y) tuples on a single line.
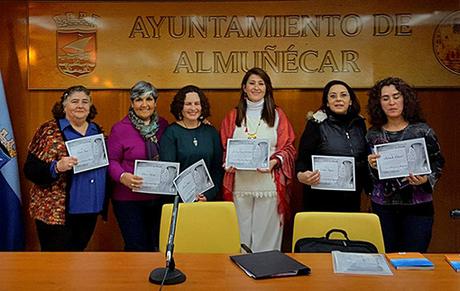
[(73, 236), (139, 222), (406, 228), (333, 201)]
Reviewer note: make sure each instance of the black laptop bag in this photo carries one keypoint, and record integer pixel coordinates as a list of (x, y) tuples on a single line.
[(327, 245)]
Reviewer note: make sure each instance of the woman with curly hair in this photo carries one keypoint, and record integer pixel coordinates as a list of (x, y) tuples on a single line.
[(404, 205), (190, 139)]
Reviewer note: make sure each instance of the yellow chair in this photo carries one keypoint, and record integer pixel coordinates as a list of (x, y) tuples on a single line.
[(202, 227), (358, 225)]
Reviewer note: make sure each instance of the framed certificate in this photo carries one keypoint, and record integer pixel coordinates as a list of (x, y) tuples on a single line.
[(193, 181), (158, 176), (90, 152), (399, 159), (336, 172), (248, 154)]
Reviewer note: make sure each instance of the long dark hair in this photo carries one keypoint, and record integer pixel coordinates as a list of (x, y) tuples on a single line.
[(412, 111), (354, 109), (268, 112), (58, 107)]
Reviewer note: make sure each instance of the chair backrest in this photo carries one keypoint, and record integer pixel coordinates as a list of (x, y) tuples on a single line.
[(202, 227), (358, 225)]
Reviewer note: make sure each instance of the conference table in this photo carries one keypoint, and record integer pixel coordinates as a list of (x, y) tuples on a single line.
[(130, 271)]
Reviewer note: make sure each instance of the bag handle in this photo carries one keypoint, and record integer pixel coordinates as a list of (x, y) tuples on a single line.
[(343, 232)]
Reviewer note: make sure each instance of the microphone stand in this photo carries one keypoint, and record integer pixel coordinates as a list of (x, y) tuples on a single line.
[(169, 275)]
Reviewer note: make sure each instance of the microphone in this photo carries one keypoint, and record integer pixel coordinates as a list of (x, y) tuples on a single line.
[(169, 275), (455, 213)]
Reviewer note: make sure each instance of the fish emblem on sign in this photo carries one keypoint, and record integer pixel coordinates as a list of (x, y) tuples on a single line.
[(76, 49), (446, 42)]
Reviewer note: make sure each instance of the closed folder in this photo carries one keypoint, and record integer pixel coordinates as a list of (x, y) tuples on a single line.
[(269, 264), (410, 260)]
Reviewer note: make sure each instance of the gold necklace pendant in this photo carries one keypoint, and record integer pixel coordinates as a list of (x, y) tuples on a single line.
[(252, 135)]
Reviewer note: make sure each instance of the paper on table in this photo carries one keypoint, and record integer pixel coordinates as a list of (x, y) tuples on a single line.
[(359, 263)]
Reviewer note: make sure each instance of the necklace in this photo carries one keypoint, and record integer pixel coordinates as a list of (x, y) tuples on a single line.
[(192, 127), (252, 135), (393, 136), (195, 140)]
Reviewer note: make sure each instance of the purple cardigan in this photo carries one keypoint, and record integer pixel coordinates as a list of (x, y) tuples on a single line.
[(125, 145)]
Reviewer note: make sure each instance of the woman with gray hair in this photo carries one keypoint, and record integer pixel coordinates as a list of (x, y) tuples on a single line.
[(64, 205), (136, 137)]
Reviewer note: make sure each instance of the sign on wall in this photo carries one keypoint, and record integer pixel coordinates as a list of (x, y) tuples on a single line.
[(302, 44)]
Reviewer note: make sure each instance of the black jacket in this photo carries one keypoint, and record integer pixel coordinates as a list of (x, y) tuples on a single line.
[(335, 136)]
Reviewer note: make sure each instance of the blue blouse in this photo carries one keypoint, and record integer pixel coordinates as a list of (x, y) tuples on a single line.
[(87, 189)]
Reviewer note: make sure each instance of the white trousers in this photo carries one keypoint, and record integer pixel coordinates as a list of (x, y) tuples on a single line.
[(260, 223)]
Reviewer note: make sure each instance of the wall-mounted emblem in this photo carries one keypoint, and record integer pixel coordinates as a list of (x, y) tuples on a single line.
[(76, 52), (446, 42)]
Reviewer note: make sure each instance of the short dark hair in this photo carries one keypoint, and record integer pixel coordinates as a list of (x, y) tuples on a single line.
[(412, 111), (354, 109), (58, 107), (177, 104), (268, 111)]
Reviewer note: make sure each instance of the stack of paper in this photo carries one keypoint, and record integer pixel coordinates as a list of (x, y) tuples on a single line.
[(410, 261)]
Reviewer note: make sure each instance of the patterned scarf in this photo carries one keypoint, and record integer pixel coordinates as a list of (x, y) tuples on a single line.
[(148, 132)]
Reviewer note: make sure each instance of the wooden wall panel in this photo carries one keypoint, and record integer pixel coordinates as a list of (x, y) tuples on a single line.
[(30, 108)]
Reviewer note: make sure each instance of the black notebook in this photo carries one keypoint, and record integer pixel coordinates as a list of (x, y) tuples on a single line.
[(269, 264)]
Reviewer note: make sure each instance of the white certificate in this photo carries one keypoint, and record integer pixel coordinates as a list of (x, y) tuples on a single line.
[(90, 152), (193, 181), (358, 263), (336, 172), (398, 159), (248, 154), (158, 176)]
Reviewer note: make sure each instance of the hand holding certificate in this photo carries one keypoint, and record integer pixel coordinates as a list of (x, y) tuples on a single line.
[(90, 152), (157, 176), (193, 181), (248, 154), (336, 172), (400, 159)]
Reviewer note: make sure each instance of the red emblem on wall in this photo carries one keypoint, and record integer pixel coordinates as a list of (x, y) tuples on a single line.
[(446, 42), (76, 52)]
